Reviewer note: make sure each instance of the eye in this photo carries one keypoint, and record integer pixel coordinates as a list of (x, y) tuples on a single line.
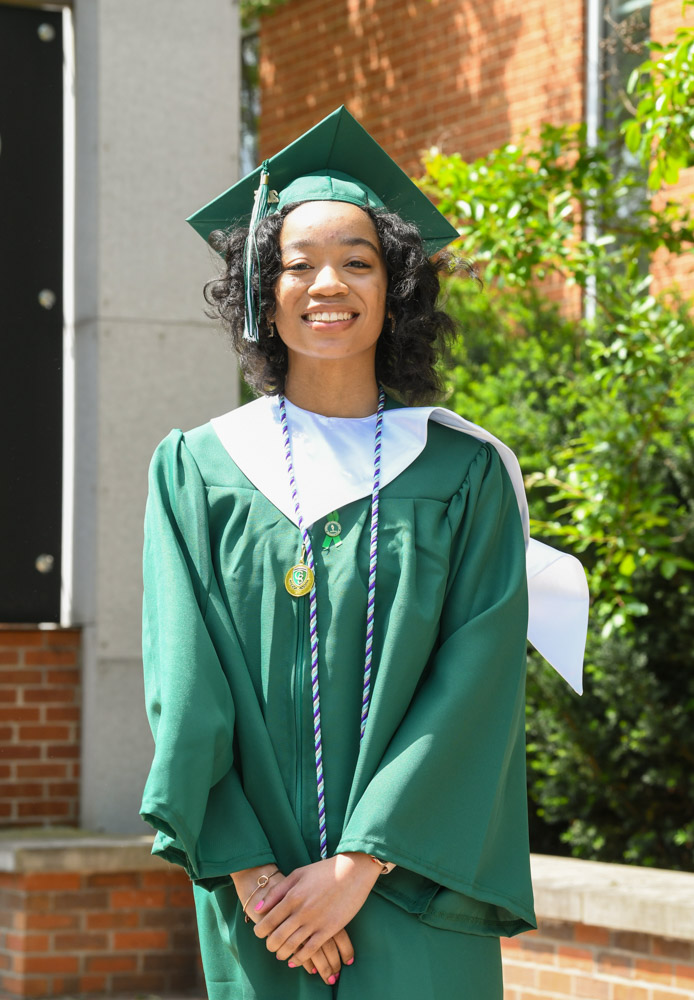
[(299, 265), (359, 264)]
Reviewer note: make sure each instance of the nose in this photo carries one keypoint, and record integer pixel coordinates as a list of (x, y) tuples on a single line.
[(327, 281)]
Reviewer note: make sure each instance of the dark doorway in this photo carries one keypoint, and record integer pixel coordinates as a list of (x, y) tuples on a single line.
[(31, 312)]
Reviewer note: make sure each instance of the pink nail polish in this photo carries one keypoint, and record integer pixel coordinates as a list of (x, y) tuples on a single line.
[(292, 965), (351, 960), (332, 980), (259, 905)]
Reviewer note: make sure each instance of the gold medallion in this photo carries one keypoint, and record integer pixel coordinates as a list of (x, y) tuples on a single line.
[(299, 580), (333, 529)]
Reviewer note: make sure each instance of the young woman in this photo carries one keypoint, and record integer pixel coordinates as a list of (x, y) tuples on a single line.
[(336, 611)]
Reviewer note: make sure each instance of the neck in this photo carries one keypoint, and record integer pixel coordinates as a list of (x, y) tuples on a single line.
[(332, 392)]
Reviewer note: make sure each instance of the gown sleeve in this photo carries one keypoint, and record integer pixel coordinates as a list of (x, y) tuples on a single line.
[(193, 796), (447, 801)]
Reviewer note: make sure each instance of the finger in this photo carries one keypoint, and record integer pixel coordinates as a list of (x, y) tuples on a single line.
[(289, 945), (344, 946), (310, 966), (325, 969), (333, 956), (268, 922), (289, 931), (310, 947), (277, 890)]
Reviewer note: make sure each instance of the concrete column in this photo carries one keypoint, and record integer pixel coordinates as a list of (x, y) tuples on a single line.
[(157, 96)]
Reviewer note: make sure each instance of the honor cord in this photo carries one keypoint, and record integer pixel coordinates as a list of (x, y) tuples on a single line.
[(313, 618)]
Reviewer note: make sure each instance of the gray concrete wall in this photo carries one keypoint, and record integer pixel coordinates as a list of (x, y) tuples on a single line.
[(157, 94)]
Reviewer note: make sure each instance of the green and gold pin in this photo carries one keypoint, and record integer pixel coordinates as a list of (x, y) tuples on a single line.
[(333, 530)]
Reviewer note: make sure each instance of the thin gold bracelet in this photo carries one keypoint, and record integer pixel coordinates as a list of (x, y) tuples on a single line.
[(262, 882)]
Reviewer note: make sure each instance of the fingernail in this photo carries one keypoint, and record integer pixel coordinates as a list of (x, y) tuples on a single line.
[(292, 965), (314, 971), (259, 905), (332, 980), (349, 962)]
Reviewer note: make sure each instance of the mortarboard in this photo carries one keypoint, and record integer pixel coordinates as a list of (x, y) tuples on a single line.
[(336, 160)]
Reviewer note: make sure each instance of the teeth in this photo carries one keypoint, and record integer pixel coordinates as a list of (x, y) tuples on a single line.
[(324, 317)]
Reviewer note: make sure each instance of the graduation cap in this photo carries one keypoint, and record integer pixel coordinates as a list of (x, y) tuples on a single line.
[(336, 160)]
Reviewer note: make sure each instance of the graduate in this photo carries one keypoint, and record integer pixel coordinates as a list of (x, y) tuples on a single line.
[(339, 585)]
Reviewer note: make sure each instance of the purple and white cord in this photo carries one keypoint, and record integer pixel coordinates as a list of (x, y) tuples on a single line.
[(313, 620)]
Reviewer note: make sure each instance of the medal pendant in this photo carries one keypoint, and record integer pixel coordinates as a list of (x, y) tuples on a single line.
[(299, 580)]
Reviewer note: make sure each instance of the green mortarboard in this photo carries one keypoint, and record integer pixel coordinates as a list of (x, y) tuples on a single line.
[(336, 160)]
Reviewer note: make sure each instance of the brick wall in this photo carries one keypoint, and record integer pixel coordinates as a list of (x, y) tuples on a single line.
[(40, 687), (564, 961), (460, 76), (106, 932)]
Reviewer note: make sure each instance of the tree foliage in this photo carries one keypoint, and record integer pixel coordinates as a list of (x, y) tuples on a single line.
[(662, 128), (596, 402)]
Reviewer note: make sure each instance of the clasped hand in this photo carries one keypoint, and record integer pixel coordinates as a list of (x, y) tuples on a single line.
[(303, 917)]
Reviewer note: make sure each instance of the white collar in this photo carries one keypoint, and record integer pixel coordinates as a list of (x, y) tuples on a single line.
[(333, 463)]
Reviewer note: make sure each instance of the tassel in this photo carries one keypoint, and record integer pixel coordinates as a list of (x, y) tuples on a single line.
[(250, 263)]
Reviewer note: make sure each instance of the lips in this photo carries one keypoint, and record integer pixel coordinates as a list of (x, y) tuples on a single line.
[(328, 317)]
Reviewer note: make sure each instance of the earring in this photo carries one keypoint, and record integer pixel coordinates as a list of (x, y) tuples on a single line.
[(392, 323), (271, 329)]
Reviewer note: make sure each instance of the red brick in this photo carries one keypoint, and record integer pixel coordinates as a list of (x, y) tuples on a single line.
[(62, 752), (576, 958), (59, 638), (181, 897), (5, 771), (50, 809), (27, 942), (17, 752), (92, 984), (71, 678), (6, 808), (21, 987), (140, 940), (590, 988), (52, 881), (164, 877), (614, 964), (653, 971), (85, 899), (554, 982), (520, 974), (20, 677), (66, 713), (8, 695), (42, 770), (65, 789), (120, 880), (19, 715), (111, 963), (671, 948), (7, 656), (20, 638), (624, 992), (65, 984), (135, 899), (62, 695), (6, 734), (684, 976), (112, 921), (50, 921), (38, 733), (45, 963), (658, 994), (50, 657), (587, 934), (81, 942), (21, 790)]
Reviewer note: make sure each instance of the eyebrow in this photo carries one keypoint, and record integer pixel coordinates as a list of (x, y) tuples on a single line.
[(348, 241)]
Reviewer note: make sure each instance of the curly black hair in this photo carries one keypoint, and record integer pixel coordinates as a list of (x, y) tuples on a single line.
[(409, 345)]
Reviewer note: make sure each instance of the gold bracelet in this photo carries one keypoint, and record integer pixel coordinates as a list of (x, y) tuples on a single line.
[(386, 866), (262, 882)]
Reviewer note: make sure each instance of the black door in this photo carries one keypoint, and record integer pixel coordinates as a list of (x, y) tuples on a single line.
[(31, 312)]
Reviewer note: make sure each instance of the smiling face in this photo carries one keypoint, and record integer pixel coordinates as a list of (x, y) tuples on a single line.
[(330, 298)]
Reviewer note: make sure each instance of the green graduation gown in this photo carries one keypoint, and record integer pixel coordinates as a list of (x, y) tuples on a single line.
[(438, 784)]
